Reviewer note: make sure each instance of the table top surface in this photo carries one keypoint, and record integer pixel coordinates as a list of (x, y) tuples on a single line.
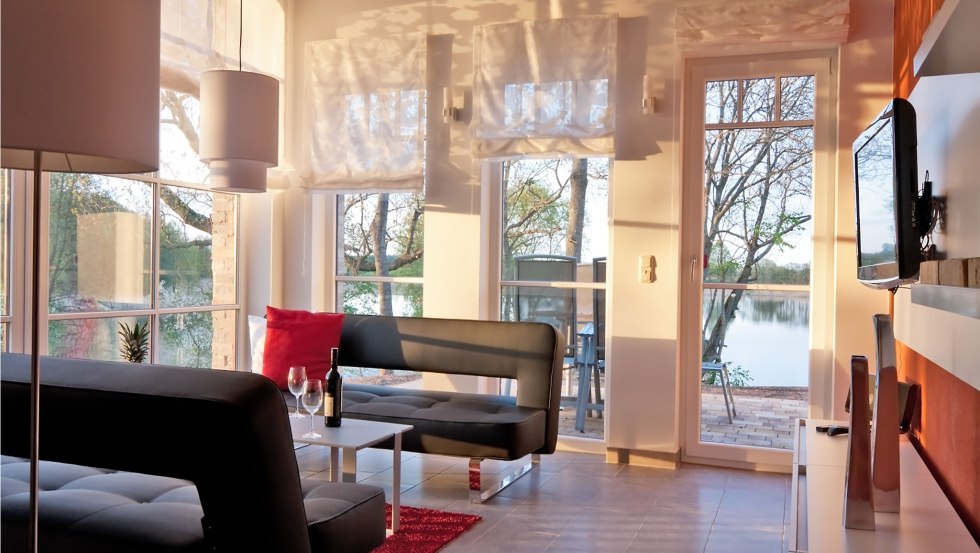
[(352, 433)]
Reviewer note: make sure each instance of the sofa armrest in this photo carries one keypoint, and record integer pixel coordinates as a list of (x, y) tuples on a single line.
[(225, 431)]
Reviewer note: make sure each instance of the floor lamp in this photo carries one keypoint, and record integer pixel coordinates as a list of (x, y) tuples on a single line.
[(80, 94)]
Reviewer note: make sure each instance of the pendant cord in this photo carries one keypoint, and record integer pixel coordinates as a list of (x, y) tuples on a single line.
[(241, 31)]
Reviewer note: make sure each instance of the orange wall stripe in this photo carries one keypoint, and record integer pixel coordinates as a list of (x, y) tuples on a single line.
[(912, 17), (944, 432)]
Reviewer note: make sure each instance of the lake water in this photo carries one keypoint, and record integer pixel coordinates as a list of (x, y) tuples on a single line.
[(769, 337)]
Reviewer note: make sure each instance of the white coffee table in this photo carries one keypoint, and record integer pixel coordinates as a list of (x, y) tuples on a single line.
[(351, 436)]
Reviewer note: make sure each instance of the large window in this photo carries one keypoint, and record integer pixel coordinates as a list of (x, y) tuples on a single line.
[(554, 233), (379, 250), (379, 265), (152, 253), (171, 267)]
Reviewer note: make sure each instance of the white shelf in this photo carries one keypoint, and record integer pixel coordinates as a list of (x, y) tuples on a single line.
[(941, 324), (951, 42), (962, 301), (926, 523)]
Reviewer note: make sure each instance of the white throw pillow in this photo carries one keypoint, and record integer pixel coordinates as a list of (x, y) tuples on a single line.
[(256, 334)]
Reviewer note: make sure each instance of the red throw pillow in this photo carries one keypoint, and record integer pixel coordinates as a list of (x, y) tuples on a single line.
[(299, 338)]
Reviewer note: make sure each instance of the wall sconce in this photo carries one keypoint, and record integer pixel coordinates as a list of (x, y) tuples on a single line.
[(649, 104), (450, 112)]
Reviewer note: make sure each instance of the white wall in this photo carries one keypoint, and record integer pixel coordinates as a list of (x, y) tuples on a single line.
[(947, 110), (865, 88), (643, 408)]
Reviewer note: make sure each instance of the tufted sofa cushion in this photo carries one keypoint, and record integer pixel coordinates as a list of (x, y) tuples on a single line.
[(227, 432), (449, 423), (89, 509)]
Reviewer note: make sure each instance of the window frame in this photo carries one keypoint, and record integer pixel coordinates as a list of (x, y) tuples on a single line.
[(19, 318), (493, 200), (338, 253)]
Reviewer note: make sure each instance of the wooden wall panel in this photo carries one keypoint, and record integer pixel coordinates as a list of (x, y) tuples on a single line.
[(912, 17), (945, 431)]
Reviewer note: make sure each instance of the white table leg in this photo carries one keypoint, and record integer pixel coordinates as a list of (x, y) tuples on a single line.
[(396, 481), (334, 464), (350, 464)]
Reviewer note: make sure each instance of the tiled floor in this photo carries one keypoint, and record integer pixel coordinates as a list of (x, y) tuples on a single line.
[(577, 502)]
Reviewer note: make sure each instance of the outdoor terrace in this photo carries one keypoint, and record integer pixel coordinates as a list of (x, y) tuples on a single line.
[(764, 417)]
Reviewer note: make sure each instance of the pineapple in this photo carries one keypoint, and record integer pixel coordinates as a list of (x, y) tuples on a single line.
[(135, 342)]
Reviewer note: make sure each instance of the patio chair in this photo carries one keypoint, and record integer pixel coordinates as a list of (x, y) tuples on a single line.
[(721, 369), (555, 306), (599, 311), (593, 339)]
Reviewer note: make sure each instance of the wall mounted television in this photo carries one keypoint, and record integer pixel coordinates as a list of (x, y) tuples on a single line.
[(891, 215)]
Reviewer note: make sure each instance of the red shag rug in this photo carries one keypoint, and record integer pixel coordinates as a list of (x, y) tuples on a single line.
[(425, 530)]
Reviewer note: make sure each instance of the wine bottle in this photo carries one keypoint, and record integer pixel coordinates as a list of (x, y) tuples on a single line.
[(333, 398)]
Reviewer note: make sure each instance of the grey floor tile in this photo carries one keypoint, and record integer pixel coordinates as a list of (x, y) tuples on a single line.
[(579, 503)]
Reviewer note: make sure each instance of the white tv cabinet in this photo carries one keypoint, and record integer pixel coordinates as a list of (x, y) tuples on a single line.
[(926, 523)]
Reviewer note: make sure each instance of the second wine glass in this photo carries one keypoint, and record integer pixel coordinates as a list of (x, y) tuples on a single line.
[(297, 383), (312, 400)]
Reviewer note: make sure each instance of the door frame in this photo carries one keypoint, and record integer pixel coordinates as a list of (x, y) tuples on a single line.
[(697, 71)]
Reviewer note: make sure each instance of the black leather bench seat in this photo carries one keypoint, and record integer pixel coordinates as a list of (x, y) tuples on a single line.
[(449, 423), (88, 509)]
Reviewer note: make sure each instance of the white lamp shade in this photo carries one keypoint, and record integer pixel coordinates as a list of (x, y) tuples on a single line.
[(239, 117), (81, 85), (238, 175)]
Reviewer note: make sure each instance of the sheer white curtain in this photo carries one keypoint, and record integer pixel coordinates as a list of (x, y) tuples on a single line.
[(740, 23), (201, 35), (544, 87), (365, 114)]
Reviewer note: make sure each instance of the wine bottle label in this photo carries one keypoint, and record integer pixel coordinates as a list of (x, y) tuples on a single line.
[(328, 406)]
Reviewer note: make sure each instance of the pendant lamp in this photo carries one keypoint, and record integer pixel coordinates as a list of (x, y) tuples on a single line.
[(80, 93), (239, 126)]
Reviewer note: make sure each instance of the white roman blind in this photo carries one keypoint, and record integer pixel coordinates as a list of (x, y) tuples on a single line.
[(544, 88), (739, 23), (364, 127), (201, 35)]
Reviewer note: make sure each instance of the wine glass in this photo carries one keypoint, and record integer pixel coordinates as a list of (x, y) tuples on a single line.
[(297, 383), (312, 400)]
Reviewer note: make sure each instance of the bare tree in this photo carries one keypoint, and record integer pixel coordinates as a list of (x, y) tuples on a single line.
[(382, 234), (758, 182)]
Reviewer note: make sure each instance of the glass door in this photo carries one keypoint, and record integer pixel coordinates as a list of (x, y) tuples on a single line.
[(752, 257)]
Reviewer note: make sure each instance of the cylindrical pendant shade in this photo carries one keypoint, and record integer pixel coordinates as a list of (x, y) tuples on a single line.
[(239, 117), (81, 85), (238, 175)]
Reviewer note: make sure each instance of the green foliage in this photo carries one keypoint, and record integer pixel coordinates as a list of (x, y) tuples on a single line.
[(737, 376), (135, 341), (186, 338), (768, 272)]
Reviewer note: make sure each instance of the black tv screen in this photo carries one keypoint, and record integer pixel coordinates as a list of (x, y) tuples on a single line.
[(886, 193)]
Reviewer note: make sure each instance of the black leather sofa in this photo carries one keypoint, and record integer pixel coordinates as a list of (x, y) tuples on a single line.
[(478, 426), (187, 460)]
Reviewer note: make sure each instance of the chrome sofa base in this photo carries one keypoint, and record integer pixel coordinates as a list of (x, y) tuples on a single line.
[(482, 490)]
